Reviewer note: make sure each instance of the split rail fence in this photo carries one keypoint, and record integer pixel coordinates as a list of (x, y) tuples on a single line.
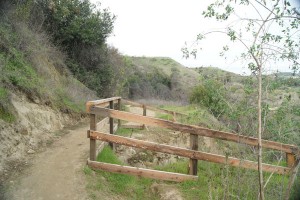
[(110, 108)]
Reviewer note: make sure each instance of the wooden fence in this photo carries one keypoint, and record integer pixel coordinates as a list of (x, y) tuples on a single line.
[(111, 109)]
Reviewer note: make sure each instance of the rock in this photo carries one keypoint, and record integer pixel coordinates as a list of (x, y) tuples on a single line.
[(166, 192), (24, 131), (131, 152), (31, 151)]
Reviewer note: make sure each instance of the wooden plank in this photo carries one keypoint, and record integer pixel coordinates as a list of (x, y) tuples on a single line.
[(141, 172), (93, 141), (135, 104), (290, 159), (198, 130), (150, 107), (193, 164), (100, 125), (186, 152), (99, 102), (136, 126)]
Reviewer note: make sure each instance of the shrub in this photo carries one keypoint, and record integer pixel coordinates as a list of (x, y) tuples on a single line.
[(210, 94)]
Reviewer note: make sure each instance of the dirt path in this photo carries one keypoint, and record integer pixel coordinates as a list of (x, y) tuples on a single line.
[(56, 173)]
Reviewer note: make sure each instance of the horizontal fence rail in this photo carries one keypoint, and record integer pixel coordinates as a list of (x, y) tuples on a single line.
[(193, 129), (185, 152), (148, 173), (151, 108), (110, 109)]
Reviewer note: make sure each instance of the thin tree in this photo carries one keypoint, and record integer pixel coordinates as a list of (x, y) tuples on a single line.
[(269, 33)]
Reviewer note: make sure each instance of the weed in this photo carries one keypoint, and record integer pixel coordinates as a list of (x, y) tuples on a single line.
[(87, 170)]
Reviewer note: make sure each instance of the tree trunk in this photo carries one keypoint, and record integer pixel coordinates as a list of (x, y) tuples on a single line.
[(259, 133)]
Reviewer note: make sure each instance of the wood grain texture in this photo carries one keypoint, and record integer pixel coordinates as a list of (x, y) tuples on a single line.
[(193, 164), (101, 102), (198, 130), (150, 107), (92, 141), (290, 159), (111, 124), (141, 172), (185, 152)]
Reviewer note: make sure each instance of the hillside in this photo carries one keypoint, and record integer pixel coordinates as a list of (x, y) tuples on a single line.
[(159, 78), (38, 94)]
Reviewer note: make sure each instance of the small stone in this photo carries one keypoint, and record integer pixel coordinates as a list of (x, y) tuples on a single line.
[(31, 151)]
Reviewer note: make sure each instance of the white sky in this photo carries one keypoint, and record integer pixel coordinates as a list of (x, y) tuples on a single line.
[(161, 28)]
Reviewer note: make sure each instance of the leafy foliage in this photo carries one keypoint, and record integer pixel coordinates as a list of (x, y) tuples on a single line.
[(210, 94), (76, 23)]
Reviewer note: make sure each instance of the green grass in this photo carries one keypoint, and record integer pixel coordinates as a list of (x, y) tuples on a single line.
[(125, 131), (129, 187), (5, 107), (223, 182), (19, 73), (163, 116)]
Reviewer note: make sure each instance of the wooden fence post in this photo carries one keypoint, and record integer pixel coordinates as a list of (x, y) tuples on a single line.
[(174, 117), (290, 159), (293, 174), (144, 114), (119, 108), (193, 165), (92, 141), (111, 123)]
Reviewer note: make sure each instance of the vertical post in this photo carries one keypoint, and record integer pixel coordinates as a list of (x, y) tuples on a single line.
[(293, 174), (119, 108), (144, 114), (174, 117), (92, 141), (111, 123), (193, 162), (290, 159)]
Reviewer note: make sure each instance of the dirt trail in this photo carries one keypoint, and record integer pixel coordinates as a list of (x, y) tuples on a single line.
[(56, 173)]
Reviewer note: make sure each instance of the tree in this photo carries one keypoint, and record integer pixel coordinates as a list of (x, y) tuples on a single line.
[(75, 23), (269, 34)]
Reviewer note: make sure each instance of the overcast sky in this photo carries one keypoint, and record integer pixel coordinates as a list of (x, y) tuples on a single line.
[(161, 28)]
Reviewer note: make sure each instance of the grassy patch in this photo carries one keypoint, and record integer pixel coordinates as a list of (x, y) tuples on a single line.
[(223, 182), (164, 116), (6, 108), (18, 73), (129, 187), (125, 131)]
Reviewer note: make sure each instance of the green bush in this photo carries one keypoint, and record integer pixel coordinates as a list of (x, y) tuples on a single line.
[(210, 94)]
